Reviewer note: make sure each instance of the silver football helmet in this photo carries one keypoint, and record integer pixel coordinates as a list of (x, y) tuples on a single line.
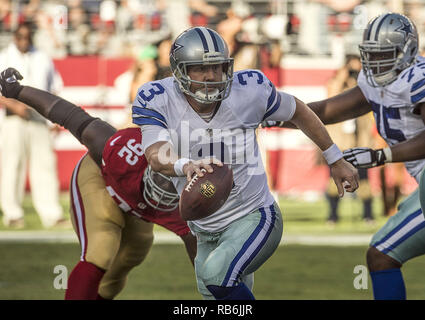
[(159, 191), (390, 44), (201, 46)]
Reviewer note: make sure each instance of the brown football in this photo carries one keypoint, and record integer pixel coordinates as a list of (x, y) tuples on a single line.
[(202, 196)]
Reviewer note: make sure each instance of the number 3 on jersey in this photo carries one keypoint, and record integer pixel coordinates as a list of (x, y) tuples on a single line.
[(250, 74), (132, 151), (156, 89)]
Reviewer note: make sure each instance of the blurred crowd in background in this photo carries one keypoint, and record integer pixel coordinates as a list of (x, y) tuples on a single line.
[(123, 28)]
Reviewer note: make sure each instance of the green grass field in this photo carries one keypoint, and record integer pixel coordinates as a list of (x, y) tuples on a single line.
[(293, 272), (299, 216)]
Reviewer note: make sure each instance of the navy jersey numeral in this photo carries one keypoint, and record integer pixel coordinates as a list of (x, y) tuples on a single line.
[(250, 74), (387, 113), (156, 90)]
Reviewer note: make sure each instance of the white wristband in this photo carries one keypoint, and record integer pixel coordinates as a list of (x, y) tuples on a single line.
[(388, 154), (332, 154), (178, 166)]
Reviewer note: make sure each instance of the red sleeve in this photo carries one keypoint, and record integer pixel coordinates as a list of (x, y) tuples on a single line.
[(123, 164)]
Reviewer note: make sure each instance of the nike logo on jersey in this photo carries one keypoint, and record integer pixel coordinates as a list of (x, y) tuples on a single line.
[(113, 141)]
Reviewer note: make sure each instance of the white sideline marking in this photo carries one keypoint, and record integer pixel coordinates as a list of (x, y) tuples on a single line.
[(164, 237)]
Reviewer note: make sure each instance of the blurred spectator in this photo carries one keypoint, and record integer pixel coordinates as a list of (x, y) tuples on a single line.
[(340, 6), (241, 33), (124, 17), (144, 69), (163, 59), (106, 42), (26, 137), (178, 12), (313, 33), (78, 30), (30, 10), (271, 54), (312, 30), (51, 23), (5, 15), (349, 134), (391, 178), (268, 138), (229, 27)]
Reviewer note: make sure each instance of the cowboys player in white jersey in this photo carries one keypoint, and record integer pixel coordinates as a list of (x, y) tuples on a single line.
[(196, 118), (392, 85)]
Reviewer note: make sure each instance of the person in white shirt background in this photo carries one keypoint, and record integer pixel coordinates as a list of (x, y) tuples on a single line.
[(26, 140)]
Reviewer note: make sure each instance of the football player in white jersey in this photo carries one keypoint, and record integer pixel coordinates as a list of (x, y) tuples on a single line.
[(205, 114), (392, 85)]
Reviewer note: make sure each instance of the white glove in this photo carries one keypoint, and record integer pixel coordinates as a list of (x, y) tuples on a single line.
[(367, 158)]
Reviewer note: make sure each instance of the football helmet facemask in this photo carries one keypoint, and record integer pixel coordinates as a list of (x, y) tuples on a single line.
[(201, 46), (159, 191), (390, 44)]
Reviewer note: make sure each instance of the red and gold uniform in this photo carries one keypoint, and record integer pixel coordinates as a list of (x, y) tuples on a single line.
[(113, 222), (123, 167)]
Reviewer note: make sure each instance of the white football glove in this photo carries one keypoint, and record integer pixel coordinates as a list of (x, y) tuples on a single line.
[(365, 157)]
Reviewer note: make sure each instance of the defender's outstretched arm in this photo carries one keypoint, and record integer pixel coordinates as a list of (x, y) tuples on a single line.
[(91, 132)]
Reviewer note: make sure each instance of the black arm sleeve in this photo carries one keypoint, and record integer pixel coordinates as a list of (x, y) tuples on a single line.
[(90, 131)]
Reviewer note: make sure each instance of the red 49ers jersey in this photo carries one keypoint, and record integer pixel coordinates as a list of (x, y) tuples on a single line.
[(123, 166)]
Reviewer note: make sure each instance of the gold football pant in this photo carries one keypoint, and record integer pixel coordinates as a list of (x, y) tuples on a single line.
[(110, 239)]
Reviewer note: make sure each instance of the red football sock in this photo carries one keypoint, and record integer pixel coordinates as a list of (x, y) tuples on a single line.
[(83, 282)]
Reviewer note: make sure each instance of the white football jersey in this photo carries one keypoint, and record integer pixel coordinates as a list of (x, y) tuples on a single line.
[(394, 105), (164, 114)]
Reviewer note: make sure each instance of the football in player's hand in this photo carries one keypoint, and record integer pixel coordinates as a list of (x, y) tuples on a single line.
[(202, 196)]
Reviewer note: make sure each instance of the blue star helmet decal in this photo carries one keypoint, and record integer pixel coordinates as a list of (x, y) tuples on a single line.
[(405, 28), (174, 48)]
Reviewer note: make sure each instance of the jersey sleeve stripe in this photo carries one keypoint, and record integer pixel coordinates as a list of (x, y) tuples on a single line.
[(275, 107), (149, 113), (418, 85), (150, 117), (271, 98), (140, 120), (417, 97)]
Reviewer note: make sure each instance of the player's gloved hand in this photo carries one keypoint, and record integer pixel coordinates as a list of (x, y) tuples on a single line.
[(365, 157), (9, 84), (271, 123)]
